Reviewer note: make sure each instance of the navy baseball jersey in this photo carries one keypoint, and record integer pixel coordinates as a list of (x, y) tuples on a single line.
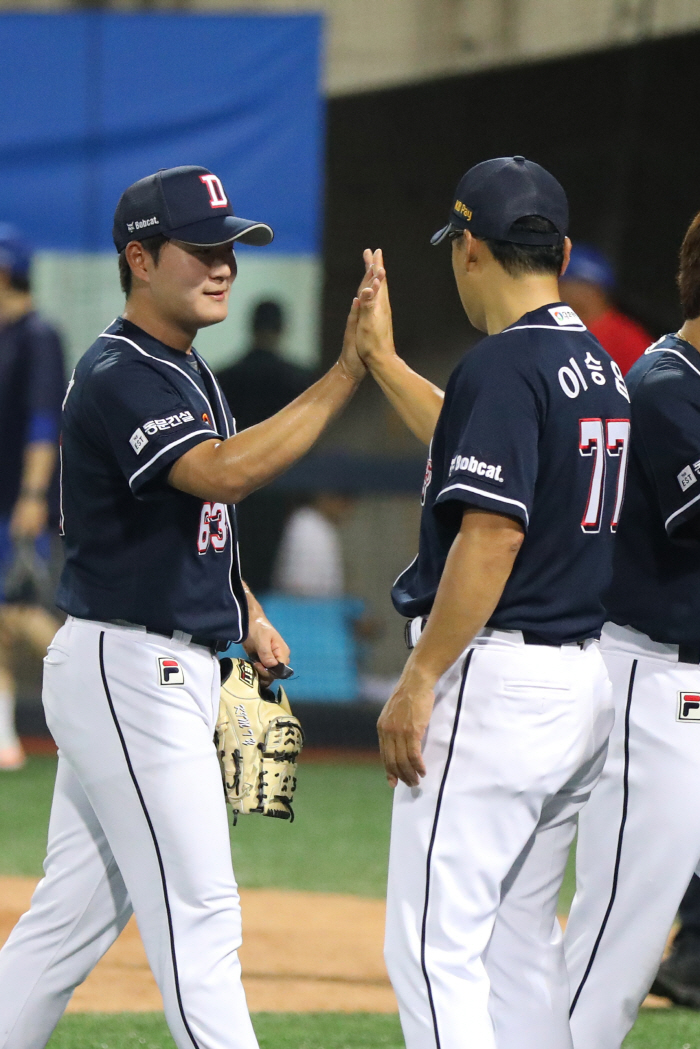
[(535, 425), (137, 549), (656, 566), (32, 386)]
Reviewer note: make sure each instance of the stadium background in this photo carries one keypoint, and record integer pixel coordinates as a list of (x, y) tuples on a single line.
[(367, 115)]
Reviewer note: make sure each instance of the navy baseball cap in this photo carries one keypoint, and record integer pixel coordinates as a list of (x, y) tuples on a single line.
[(589, 265), (186, 203), (15, 253), (496, 193)]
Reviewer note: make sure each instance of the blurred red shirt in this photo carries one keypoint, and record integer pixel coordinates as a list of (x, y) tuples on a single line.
[(623, 338)]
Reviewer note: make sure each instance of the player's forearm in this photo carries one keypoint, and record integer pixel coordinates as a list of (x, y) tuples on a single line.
[(416, 399), (37, 468), (230, 470), (30, 512), (476, 571)]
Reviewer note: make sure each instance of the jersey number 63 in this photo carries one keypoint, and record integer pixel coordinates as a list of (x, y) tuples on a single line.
[(213, 527)]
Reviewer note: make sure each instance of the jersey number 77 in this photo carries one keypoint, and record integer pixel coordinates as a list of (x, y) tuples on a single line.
[(602, 439)]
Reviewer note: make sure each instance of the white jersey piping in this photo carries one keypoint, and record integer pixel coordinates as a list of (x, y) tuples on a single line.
[(489, 495), (123, 338), (677, 512), (234, 545), (677, 353), (547, 327), (406, 569), (173, 444)]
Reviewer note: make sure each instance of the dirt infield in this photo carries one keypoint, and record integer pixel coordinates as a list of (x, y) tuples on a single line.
[(303, 952)]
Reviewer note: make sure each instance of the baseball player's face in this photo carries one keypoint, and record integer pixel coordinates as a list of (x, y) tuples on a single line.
[(191, 285)]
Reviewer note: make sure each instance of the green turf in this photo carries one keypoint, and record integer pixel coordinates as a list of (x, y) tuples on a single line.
[(338, 842), (274, 1031), (663, 1029), (25, 798)]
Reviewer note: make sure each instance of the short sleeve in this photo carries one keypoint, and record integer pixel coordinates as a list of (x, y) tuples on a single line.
[(148, 422), (492, 435), (666, 422), (46, 385)]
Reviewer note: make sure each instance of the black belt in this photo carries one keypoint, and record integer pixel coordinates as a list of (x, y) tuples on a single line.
[(213, 645), (210, 643), (529, 639)]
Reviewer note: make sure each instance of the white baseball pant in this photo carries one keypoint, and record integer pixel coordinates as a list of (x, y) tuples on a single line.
[(138, 822), (639, 837), (478, 851)]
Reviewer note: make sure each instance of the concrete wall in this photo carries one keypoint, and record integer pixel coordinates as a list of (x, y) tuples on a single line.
[(377, 43)]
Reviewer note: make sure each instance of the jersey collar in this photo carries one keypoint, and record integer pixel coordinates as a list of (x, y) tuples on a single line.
[(147, 342), (557, 316), (674, 344)]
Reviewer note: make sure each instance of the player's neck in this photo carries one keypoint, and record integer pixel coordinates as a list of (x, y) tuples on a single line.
[(691, 333), (509, 298), (143, 314)]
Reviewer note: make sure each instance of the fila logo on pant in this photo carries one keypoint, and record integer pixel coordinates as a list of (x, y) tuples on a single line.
[(688, 706), (170, 672)]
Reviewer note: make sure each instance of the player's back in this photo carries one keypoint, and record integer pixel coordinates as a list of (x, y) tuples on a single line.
[(656, 567), (535, 425)]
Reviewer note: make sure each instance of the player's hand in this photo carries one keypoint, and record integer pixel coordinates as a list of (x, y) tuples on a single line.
[(349, 359), (375, 332), (401, 728), (29, 517), (265, 646)]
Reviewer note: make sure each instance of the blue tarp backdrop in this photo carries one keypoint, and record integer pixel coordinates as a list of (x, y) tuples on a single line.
[(91, 102)]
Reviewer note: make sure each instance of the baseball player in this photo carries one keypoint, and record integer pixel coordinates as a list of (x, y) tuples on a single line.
[(497, 728), (151, 465), (639, 837), (32, 385)]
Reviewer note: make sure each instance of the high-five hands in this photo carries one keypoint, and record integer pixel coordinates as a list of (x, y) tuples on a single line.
[(375, 333)]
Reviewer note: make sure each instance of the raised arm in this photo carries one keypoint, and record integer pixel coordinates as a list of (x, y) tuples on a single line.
[(228, 471), (417, 400)]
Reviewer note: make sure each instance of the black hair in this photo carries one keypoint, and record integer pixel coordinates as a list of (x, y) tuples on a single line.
[(688, 278), (153, 246), (268, 317), (519, 259), (20, 282)]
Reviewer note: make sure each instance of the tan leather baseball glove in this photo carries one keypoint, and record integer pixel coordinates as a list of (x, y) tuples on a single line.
[(258, 741)]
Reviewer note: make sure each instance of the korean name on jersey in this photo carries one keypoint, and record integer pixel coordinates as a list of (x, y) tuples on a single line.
[(535, 426)]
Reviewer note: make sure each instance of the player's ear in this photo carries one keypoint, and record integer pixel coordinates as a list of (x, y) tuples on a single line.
[(567, 256), (138, 259), (473, 249), (462, 251)]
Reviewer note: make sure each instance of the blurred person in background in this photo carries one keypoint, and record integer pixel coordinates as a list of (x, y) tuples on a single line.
[(31, 391), (256, 387), (310, 558), (588, 286), (310, 564), (262, 382)]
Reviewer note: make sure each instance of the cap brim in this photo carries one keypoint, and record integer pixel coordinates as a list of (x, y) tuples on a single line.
[(223, 229), (437, 238)]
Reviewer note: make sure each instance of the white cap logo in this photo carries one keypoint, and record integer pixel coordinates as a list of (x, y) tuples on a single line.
[(217, 197)]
